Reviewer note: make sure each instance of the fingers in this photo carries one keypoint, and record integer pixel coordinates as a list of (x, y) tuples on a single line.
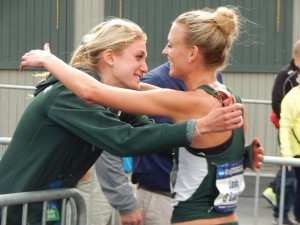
[(233, 113), (255, 142), (260, 151), (27, 58), (234, 107), (134, 218), (233, 116), (233, 119), (23, 63), (21, 67), (257, 154), (257, 161), (47, 47), (235, 123), (221, 119)]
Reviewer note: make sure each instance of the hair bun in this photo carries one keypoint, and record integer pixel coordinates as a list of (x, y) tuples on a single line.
[(226, 20)]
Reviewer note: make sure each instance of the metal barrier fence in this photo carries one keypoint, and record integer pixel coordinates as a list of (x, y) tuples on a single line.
[(76, 212), (58, 194), (45, 195), (17, 87), (274, 161)]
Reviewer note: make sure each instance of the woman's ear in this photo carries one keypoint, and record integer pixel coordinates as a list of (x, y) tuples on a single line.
[(194, 53), (108, 56)]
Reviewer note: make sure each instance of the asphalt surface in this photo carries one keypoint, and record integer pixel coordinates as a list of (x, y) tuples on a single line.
[(246, 204)]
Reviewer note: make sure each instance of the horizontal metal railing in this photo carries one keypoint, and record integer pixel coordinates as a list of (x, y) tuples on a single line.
[(20, 87), (295, 162), (78, 212), (5, 140), (77, 202), (256, 101)]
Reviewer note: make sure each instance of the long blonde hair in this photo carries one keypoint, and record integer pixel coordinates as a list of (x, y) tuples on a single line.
[(114, 33)]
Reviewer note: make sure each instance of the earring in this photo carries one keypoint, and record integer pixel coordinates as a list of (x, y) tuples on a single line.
[(111, 63)]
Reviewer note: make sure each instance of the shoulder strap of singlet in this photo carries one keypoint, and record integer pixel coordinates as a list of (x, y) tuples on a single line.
[(212, 91)]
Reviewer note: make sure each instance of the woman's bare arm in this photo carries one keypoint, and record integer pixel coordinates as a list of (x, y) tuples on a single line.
[(147, 87), (156, 102), (162, 102)]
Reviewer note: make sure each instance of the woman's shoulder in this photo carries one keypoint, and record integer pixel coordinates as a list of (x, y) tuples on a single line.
[(221, 93)]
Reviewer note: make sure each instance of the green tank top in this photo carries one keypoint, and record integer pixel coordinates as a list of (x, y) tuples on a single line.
[(195, 191)]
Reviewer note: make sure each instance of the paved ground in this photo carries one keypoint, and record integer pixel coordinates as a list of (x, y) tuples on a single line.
[(245, 210)]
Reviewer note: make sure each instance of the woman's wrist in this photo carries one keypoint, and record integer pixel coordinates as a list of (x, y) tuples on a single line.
[(200, 127), (198, 133)]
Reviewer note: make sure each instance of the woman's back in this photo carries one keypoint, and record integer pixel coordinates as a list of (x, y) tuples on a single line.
[(209, 179), (198, 104)]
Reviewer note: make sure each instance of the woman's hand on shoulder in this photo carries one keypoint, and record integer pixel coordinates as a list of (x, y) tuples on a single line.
[(221, 119), (35, 58)]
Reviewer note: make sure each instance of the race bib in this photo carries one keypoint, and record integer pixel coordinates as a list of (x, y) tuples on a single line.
[(230, 183), (52, 213)]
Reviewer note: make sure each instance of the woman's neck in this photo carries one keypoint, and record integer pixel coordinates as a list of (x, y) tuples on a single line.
[(195, 80)]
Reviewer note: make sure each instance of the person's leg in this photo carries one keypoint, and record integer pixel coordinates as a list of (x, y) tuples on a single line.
[(289, 191), (156, 208), (288, 195), (277, 191), (297, 195), (272, 184), (269, 192), (99, 211)]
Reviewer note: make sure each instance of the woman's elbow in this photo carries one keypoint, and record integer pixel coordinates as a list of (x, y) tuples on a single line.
[(88, 96)]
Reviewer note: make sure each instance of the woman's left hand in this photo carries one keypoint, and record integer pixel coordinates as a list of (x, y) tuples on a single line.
[(257, 155), (35, 58)]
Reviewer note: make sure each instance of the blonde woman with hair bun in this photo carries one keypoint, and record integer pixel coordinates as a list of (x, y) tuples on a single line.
[(209, 174)]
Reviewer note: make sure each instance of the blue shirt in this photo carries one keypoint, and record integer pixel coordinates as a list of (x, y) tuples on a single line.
[(153, 171)]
